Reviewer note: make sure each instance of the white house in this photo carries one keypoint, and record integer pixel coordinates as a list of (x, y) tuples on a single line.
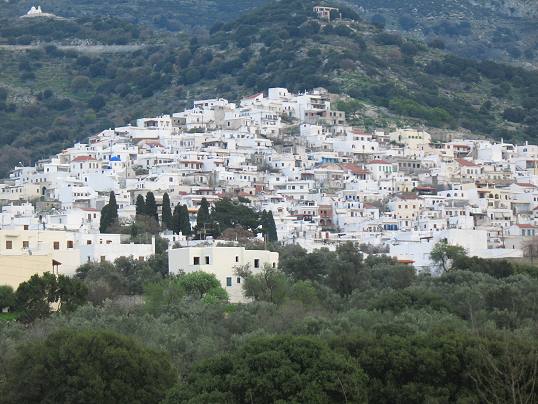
[(222, 262)]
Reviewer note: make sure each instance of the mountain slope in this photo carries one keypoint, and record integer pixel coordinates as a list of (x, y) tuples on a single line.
[(283, 44), (172, 15), (53, 96), (502, 30)]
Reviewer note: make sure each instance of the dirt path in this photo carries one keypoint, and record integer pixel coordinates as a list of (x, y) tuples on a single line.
[(78, 48)]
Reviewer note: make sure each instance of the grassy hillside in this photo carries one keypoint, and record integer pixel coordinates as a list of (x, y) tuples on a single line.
[(52, 96)]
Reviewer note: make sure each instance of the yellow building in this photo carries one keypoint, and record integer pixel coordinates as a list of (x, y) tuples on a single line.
[(15, 269), (407, 207), (413, 139), (497, 198), (61, 246), (23, 192)]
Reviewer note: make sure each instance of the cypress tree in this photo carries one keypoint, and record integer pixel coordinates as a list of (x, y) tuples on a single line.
[(140, 205), (166, 212), (113, 206), (151, 206), (272, 234), (105, 220), (109, 213), (176, 219), (185, 221), (268, 225), (202, 217)]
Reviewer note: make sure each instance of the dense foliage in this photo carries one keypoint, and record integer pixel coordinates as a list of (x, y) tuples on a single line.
[(275, 369), (232, 214), (170, 15), (84, 367), (107, 31), (328, 327), (489, 29), (34, 297)]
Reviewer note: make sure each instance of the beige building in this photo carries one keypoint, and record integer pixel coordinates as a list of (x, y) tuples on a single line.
[(61, 246), (406, 209), (222, 262), (15, 269), (23, 192), (68, 248), (412, 138)]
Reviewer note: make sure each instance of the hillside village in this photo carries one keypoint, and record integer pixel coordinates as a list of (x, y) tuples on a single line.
[(325, 182)]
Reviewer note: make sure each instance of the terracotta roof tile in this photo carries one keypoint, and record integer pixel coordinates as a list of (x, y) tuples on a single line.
[(465, 163), (82, 158)]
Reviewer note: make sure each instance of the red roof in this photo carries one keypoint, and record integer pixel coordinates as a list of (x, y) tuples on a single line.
[(82, 158), (403, 261), (526, 184), (525, 226), (253, 96), (378, 162), (355, 169), (465, 163)]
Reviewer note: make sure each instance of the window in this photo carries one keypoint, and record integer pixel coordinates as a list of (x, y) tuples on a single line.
[(25, 244), (256, 263), (229, 281), (196, 260), (141, 258), (103, 258), (69, 243), (207, 259), (237, 258), (238, 279), (56, 245), (274, 264), (88, 242), (26, 227)]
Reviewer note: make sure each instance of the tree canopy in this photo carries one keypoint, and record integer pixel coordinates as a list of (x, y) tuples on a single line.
[(275, 369), (33, 298), (87, 367)]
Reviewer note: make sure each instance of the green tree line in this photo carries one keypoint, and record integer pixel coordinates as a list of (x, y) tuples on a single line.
[(327, 326)]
